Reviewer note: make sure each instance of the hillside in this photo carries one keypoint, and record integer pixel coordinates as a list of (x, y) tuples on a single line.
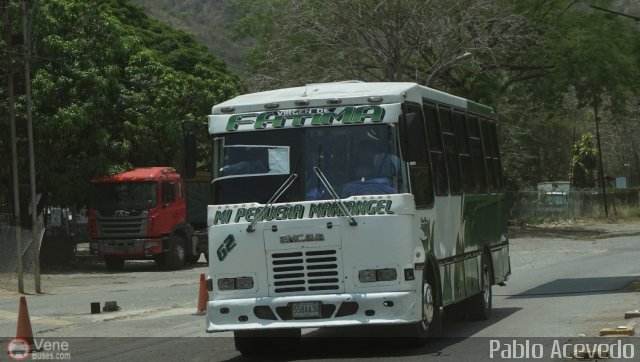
[(208, 20), (205, 19)]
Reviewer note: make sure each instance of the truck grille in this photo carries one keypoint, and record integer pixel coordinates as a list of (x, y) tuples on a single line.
[(315, 271), (122, 226)]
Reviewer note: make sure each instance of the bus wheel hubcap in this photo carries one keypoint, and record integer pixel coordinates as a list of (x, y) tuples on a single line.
[(427, 305), (487, 287)]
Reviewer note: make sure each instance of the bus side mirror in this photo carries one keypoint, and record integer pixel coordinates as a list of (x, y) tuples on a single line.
[(410, 136), (189, 150)]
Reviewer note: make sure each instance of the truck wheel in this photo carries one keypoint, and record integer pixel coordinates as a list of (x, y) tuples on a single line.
[(114, 263), (174, 258), (480, 304), (431, 323)]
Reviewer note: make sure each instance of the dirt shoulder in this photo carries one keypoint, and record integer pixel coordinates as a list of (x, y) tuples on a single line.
[(581, 229)]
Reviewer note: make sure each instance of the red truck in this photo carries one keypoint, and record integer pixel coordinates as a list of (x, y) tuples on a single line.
[(148, 213)]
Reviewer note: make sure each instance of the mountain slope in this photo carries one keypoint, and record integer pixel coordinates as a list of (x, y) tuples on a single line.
[(205, 19)]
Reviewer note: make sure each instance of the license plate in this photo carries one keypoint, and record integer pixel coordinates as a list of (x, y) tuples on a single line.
[(305, 310)]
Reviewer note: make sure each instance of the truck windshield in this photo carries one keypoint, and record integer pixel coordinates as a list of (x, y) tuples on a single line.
[(357, 160), (125, 195)]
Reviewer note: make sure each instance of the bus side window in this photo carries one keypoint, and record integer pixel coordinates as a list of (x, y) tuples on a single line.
[(421, 178), (488, 154), (466, 163), (495, 155), (475, 147), (450, 149), (438, 165), (498, 160)]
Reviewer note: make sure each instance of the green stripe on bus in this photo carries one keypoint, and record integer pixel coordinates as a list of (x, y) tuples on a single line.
[(480, 108)]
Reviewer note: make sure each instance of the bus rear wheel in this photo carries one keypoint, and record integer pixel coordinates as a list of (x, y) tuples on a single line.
[(480, 304)]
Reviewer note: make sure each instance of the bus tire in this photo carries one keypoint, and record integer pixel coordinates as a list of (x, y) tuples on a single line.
[(258, 342), (174, 257), (431, 323), (247, 345), (479, 306), (114, 263)]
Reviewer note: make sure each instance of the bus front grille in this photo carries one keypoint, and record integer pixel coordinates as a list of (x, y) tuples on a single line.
[(309, 271)]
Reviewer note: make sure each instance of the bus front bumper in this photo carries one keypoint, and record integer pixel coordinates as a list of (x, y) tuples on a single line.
[(335, 310)]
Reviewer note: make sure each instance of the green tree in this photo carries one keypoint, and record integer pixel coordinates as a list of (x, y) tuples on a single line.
[(305, 41), (584, 59), (541, 64), (111, 87), (584, 161)]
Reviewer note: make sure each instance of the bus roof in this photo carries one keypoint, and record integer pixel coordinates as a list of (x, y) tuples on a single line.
[(139, 174), (348, 92)]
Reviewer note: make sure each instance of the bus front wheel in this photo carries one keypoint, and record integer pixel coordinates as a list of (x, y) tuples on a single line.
[(431, 323), (258, 342)]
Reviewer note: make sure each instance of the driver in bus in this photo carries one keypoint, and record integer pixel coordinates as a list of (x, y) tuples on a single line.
[(374, 170)]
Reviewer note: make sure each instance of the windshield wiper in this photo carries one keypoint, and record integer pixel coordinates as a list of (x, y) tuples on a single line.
[(334, 194), (281, 190)]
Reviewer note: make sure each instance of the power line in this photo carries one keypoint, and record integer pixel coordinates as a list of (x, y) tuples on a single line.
[(636, 18)]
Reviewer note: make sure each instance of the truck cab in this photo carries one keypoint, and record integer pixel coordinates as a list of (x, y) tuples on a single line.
[(142, 214)]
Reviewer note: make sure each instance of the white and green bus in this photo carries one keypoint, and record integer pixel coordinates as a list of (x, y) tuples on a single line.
[(352, 204)]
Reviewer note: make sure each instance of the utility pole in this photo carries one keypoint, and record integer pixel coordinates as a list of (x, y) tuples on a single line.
[(14, 149), (601, 169), (35, 232)]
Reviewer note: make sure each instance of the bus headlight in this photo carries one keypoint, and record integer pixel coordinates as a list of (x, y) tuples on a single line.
[(235, 283), (226, 284), (377, 275), (367, 276), (385, 275), (244, 283)]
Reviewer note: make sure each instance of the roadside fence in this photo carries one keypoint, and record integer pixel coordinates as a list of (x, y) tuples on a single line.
[(9, 255), (524, 206)]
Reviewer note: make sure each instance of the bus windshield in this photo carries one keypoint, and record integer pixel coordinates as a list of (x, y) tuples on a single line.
[(356, 160)]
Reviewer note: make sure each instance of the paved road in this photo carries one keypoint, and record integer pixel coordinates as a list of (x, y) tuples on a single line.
[(560, 289)]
